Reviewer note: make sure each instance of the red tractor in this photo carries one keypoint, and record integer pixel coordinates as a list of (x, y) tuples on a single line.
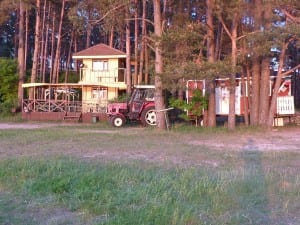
[(140, 107)]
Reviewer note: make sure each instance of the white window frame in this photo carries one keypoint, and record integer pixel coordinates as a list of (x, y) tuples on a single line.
[(99, 93), (100, 65)]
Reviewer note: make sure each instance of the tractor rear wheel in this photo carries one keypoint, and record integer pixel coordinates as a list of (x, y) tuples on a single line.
[(118, 121), (148, 116)]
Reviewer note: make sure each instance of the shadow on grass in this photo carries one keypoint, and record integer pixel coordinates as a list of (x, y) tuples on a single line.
[(255, 186)]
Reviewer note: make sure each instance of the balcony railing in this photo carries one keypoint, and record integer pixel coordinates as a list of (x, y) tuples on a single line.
[(112, 76)]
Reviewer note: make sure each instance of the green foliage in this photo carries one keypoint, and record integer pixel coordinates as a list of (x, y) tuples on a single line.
[(121, 98), (181, 44), (194, 71), (73, 77), (180, 49), (195, 106), (9, 85)]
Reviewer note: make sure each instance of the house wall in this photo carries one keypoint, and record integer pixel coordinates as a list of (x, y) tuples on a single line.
[(95, 99)]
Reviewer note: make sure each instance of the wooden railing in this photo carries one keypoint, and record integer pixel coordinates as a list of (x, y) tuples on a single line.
[(51, 106), (39, 105), (285, 105), (113, 76)]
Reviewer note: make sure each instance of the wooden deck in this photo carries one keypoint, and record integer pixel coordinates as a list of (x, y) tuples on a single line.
[(59, 110)]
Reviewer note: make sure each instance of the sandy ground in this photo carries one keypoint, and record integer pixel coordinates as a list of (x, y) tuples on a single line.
[(277, 139), (22, 126)]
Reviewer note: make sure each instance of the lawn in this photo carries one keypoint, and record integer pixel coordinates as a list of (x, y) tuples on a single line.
[(95, 174)]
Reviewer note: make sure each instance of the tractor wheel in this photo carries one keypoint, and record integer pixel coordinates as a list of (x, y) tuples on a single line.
[(148, 117), (117, 121)]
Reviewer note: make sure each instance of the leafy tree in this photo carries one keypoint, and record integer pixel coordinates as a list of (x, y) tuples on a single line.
[(9, 85)]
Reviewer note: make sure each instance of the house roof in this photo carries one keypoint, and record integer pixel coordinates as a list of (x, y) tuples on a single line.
[(120, 85), (99, 51)]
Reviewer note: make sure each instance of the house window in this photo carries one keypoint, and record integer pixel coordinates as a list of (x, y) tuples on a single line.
[(100, 65), (99, 93)]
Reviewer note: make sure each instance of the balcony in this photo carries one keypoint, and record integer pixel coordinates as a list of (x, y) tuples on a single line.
[(115, 76)]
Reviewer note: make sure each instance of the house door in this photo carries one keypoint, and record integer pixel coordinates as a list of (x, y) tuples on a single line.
[(100, 98)]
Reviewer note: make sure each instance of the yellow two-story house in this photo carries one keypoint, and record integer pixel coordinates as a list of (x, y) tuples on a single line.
[(102, 74)]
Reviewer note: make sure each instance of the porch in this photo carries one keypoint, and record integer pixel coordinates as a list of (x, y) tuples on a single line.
[(64, 102)]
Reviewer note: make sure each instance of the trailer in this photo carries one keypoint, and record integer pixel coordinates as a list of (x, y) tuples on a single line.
[(285, 106), (222, 91)]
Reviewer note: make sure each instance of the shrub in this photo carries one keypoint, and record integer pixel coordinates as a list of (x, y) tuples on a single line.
[(9, 85), (195, 106)]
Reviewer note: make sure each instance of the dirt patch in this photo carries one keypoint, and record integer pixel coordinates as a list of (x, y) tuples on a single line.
[(4, 126), (274, 140), (137, 143)]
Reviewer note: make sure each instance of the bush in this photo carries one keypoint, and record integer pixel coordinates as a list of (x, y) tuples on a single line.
[(9, 85), (195, 106), (121, 98)]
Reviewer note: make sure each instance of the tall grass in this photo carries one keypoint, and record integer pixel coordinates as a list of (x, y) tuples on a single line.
[(136, 193)]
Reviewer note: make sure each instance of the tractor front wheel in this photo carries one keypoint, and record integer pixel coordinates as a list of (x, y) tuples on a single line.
[(148, 117), (117, 121)]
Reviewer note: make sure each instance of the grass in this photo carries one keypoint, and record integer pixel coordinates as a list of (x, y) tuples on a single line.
[(141, 176), (6, 117), (135, 194), (146, 194)]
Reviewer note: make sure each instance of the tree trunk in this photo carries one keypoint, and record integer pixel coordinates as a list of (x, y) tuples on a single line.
[(52, 47), (111, 36), (58, 47), (272, 108), (245, 97), (21, 53), (254, 99), (43, 41), (265, 73), (88, 31), (264, 100), (45, 56), (69, 56), (231, 115), (136, 33), (36, 48), (26, 38), (219, 39), (256, 69), (211, 120), (159, 100), (142, 53), (210, 32), (146, 63), (128, 53)]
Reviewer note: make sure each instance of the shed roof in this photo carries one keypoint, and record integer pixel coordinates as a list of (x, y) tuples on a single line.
[(99, 51)]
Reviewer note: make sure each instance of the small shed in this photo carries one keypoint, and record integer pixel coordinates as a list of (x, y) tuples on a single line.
[(285, 106)]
